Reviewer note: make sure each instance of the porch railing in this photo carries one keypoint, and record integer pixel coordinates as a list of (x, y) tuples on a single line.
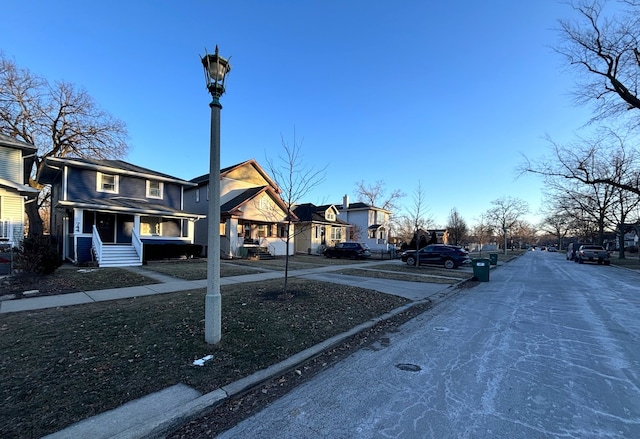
[(96, 244), (137, 244)]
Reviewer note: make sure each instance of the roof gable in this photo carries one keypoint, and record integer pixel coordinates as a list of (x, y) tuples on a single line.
[(235, 205), (309, 212), (248, 171)]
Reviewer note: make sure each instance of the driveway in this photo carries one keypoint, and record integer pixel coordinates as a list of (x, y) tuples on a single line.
[(547, 348)]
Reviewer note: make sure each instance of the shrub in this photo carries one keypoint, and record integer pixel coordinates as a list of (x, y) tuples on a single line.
[(36, 254)]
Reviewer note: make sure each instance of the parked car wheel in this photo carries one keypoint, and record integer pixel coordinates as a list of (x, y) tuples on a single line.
[(449, 264), (580, 261), (607, 262), (411, 260)]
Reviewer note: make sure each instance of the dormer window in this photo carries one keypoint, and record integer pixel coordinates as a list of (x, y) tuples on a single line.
[(330, 216), (107, 183), (154, 189)]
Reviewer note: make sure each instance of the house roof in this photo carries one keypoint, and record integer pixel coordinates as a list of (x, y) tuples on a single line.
[(21, 189), (12, 142), (309, 212), (224, 172), (52, 165), (233, 206), (129, 205), (360, 206)]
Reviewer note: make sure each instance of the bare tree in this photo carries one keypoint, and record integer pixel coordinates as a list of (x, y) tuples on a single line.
[(602, 45), (482, 230), (355, 232), (557, 223), (456, 227), (505, 214), (59, 119), (418, 217), (295, 180), (376, 195), (625, 204)]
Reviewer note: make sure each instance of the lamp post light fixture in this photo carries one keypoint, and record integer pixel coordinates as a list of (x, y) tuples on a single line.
[(215, 71)]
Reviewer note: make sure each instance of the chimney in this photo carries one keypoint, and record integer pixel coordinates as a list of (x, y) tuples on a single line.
[(345, 202)]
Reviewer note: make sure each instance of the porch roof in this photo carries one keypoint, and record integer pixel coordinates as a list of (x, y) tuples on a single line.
[(233, 206), (21, 189), (129, 205)]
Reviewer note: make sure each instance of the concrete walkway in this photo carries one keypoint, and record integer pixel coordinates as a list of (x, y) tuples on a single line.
[(157, 413), (170, 284)]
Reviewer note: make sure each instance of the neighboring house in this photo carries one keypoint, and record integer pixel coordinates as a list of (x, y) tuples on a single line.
[(253, 217), (318, 227), (16, 161), (370, 222), (108, 210)]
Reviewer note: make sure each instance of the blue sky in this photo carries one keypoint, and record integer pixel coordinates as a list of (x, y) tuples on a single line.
[(450, 94)]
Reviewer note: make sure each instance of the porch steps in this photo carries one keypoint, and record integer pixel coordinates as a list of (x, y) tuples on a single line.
[(114, 255), (260, 253)]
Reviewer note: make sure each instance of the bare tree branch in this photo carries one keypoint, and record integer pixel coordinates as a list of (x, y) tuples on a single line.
[(59, 119)]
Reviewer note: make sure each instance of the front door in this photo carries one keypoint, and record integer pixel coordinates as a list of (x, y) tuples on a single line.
[(106, 225)]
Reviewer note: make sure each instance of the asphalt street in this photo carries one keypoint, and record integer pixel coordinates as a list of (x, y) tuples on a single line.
[(546, 349)]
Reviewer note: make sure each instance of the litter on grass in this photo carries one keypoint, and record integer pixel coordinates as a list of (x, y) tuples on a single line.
[(201, 361)]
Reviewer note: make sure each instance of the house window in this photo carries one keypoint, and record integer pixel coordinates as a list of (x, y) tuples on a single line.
[(207, 192), (336, 233), (283, 232), (107, 183), (4, 229), (223, 229), (262, 230), (371, 234), (330, 216), (154, 189), (150, 226), (197, 195)]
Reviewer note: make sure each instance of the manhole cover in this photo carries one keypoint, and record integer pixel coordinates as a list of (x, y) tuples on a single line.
[(409, 367)]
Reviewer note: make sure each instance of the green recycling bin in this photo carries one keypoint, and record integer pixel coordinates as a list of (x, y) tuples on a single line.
[(493, 257), (481, 269)]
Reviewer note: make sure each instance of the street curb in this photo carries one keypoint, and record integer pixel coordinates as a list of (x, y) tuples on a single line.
[(161, 425)]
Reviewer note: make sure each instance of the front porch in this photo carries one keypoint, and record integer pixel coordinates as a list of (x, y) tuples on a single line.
[(115, 239)]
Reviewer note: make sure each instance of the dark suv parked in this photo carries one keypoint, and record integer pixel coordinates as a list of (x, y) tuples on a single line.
[(450, 256), (352, 250)]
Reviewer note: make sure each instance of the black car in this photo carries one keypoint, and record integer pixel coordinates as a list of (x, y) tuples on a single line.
[(352, 250), (450, 256)]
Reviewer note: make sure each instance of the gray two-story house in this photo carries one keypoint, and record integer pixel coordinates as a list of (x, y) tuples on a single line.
[(107, 210)]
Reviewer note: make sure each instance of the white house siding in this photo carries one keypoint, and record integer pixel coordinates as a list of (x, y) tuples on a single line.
[(363, 219), (11, 164)]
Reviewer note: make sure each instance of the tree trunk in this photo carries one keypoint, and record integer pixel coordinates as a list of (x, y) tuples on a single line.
[(35, 222)]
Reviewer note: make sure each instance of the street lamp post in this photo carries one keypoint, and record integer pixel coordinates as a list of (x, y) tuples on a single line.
[(215, 70), (504, 229)]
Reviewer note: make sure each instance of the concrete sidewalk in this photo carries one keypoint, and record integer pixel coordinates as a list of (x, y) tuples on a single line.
[(170, 284), (159, 412)]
